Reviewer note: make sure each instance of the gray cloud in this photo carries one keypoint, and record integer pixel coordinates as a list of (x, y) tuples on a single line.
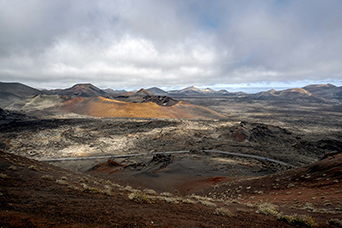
[(132, 44)]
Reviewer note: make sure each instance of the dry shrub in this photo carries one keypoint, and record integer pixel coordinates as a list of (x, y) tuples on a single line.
[(61, 182), (298, 220), (12, 167), (207, 203), (169, 199), (149, 191), (188, 201), (48, 177), (33, 167), (267, 209), (107, 191), (166, 194), (140, 198), (91, 190), (3, 176), (73, 187)]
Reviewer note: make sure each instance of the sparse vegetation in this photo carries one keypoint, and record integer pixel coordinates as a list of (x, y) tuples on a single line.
[(188, 201), (207, 203), (91, 190), (73, 187), (48, 177), (3, 176), (297, 220), (173, 200), (61, 182), (108, 190), (166, 194), (12, 167), (149, 191), (140, 198), (128, 188), (33, 167), (267, 209)]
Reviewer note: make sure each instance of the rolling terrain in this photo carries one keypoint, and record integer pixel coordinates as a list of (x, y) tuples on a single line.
[(131, 179), (309, 197), (86, 99)]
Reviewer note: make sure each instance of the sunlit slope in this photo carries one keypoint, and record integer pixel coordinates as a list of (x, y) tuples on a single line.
[(103, 107)]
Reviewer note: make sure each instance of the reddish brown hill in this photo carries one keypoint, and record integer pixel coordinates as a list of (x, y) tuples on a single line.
[(103, 107)]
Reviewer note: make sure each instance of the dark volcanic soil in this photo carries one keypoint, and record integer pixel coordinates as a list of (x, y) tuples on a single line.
[(53, 138), (173, 172), (34, 194), (40, 195)]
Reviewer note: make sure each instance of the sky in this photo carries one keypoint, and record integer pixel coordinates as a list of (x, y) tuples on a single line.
[(124, 44)]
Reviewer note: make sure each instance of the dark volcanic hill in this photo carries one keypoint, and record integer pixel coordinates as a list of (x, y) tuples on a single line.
[(144, 92), (82, 90), (14, 92), (327, 91), (158, 91), (112, 91), (207, 92), (17, 89), (295, 94), (192, 90)]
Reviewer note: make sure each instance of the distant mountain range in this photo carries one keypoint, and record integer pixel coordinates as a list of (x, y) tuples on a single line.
[(17, 96), (320, 91), (87, 99), (194, 91), (314, 93)]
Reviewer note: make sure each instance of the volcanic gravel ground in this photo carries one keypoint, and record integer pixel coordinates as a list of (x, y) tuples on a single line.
[(34, 194), (53, 138)]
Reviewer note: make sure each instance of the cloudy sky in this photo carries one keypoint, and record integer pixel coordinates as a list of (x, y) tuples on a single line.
[(166, 43)]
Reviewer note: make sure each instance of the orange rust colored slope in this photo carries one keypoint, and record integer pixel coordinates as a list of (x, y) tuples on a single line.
[(103, 107)]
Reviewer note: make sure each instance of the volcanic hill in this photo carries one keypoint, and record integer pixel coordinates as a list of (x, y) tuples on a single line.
[(87, 99), (82, 90), (15, 93), (104, 107)]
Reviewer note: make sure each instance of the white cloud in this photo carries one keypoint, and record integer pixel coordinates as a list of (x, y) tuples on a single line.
[(169, 43)]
